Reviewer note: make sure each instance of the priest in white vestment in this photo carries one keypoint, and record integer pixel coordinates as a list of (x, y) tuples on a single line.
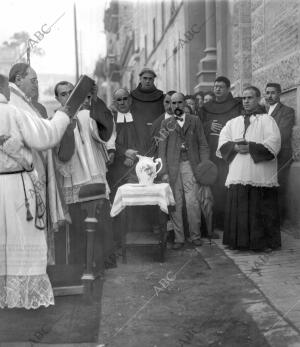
[(82, 160), (24, 87), (250, 144), (23, 247)]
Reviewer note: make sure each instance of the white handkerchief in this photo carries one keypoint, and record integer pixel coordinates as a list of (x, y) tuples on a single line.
[(122, 117)]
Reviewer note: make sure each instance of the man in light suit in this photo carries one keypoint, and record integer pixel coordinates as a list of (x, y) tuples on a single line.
[(285, 119)]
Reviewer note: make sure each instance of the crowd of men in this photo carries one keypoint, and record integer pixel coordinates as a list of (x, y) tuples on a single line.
[(233, 147)]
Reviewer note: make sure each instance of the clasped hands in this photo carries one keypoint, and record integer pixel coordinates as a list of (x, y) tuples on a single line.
[(242, 148)]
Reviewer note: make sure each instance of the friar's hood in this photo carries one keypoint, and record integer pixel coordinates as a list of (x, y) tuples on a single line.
[(147, 95), (215, 107)]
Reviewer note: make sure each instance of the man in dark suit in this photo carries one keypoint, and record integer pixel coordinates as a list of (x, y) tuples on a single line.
[(181, 149), (156, 125), (285, 119)]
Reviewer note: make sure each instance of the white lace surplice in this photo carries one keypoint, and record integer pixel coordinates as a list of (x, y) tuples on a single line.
[(88, 162), (242, 170)]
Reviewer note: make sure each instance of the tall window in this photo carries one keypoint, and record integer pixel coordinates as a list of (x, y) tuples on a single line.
[(162, 16), (154, 31)]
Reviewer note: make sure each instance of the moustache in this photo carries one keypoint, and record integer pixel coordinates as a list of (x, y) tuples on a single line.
[(178, 112)]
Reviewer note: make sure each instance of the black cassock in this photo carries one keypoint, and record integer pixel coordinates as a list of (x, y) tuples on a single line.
[(221, 112), (251, 213), (127, 138)]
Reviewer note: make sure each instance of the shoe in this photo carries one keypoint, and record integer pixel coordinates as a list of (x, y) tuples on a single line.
[(197, 242), (178, 245), (214, 236)]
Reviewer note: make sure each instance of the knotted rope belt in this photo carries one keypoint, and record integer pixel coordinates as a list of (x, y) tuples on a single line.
[(12, 172), (40, 208)]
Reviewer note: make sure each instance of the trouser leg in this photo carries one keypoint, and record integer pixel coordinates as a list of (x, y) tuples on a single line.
[(176, 216), (282, 192), (191, 188)]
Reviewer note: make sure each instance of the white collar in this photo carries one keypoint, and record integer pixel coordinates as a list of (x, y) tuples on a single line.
[(272, 108), (181, 122), (3, 99), (14, 86), (167, 115), (122, 117), (183, 118)]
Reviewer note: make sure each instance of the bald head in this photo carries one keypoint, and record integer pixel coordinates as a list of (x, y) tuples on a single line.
[(178, 103), (4, 88), (25, 78), (178, 94), (120, 91)]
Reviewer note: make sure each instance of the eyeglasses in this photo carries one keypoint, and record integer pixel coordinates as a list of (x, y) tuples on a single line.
[(125, 98), (177, 102)]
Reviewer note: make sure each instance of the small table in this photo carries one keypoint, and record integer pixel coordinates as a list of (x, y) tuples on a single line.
[(134, 194)]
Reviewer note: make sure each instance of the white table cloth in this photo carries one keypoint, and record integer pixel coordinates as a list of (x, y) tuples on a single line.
[(134, 194)]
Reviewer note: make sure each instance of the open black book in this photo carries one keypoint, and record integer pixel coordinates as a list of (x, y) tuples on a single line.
[(79, 93)]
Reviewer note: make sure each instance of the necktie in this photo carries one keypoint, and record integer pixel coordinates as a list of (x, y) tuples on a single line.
[(179, 118)]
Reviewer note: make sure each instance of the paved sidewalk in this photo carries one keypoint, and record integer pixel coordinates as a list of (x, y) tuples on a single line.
[(277, 277), (197, 298)]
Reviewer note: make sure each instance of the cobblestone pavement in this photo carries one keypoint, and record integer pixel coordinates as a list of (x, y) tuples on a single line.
[(277, 276)]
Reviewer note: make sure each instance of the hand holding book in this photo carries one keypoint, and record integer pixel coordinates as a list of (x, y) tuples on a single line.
[(82, 88)]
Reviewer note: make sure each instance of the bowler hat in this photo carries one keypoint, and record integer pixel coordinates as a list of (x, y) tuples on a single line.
[(149, 70), (206, 173)]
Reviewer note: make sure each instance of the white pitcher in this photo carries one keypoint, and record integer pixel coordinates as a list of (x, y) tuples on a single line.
[(146, 169)]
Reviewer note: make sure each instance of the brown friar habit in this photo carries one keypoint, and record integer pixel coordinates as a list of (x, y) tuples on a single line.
[(146, 107), (221, 112), (156, 136)]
